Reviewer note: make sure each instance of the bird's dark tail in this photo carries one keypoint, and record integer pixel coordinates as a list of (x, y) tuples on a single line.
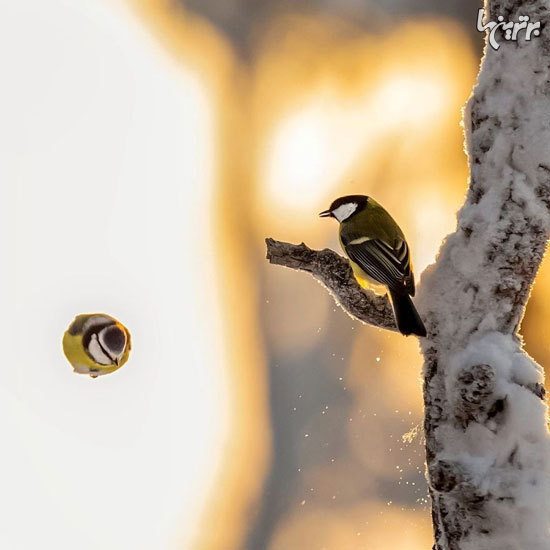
[(407, 318)]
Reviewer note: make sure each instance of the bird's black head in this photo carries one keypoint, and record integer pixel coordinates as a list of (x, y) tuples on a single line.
[(345, 207), (113, 339), (107, 344)]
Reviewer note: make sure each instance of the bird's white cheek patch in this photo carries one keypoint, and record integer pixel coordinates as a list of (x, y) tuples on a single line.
[(96, 352), (344, 211)]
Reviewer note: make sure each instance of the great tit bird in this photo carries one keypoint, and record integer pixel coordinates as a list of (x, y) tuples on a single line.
[(96, 344), (379, 254)]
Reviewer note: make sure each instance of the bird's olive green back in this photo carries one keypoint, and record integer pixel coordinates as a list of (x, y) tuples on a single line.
[(373, 222)]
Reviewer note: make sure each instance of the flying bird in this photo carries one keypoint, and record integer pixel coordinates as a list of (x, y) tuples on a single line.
[(96, 344)]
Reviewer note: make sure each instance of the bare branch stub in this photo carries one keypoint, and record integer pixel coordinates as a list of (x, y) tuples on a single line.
[(334, 272)]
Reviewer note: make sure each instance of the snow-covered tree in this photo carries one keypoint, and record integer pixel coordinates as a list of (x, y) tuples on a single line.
[(487, 443)]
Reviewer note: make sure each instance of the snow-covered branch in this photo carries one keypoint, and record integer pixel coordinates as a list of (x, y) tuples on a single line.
[(334, 272), (485, 419)]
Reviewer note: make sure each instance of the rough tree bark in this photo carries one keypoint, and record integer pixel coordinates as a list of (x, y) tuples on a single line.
[(487, 444)]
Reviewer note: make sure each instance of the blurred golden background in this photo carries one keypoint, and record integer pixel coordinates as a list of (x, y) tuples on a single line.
[(319, 106), (321, 444)]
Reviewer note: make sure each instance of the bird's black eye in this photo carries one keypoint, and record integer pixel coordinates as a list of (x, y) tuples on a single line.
[(114, 339)]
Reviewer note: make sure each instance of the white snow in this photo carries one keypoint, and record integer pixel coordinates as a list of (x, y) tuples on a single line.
[(508, 459), (470, 299)]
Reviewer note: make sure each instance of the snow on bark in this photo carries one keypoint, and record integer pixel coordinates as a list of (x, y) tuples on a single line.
[(487, 442)]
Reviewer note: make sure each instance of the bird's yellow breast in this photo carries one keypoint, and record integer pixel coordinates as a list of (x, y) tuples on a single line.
[(365, 281)]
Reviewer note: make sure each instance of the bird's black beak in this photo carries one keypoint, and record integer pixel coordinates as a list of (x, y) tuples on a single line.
[(325, 214), (116, 362)]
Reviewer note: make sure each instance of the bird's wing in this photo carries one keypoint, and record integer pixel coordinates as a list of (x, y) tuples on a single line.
[(389, 265)]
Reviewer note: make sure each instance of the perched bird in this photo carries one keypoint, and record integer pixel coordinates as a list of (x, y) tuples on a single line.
[(96, 344), (379, 254)]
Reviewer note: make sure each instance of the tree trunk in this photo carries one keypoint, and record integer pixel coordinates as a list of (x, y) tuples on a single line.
[(487, 444)]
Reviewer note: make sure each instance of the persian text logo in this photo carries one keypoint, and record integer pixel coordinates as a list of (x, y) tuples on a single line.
[(511, 30)]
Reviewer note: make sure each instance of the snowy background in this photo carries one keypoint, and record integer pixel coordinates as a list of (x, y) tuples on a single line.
[(106, 154)]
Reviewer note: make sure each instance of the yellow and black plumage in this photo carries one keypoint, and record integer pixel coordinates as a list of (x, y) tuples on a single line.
[(379, 254), (96, 344)]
